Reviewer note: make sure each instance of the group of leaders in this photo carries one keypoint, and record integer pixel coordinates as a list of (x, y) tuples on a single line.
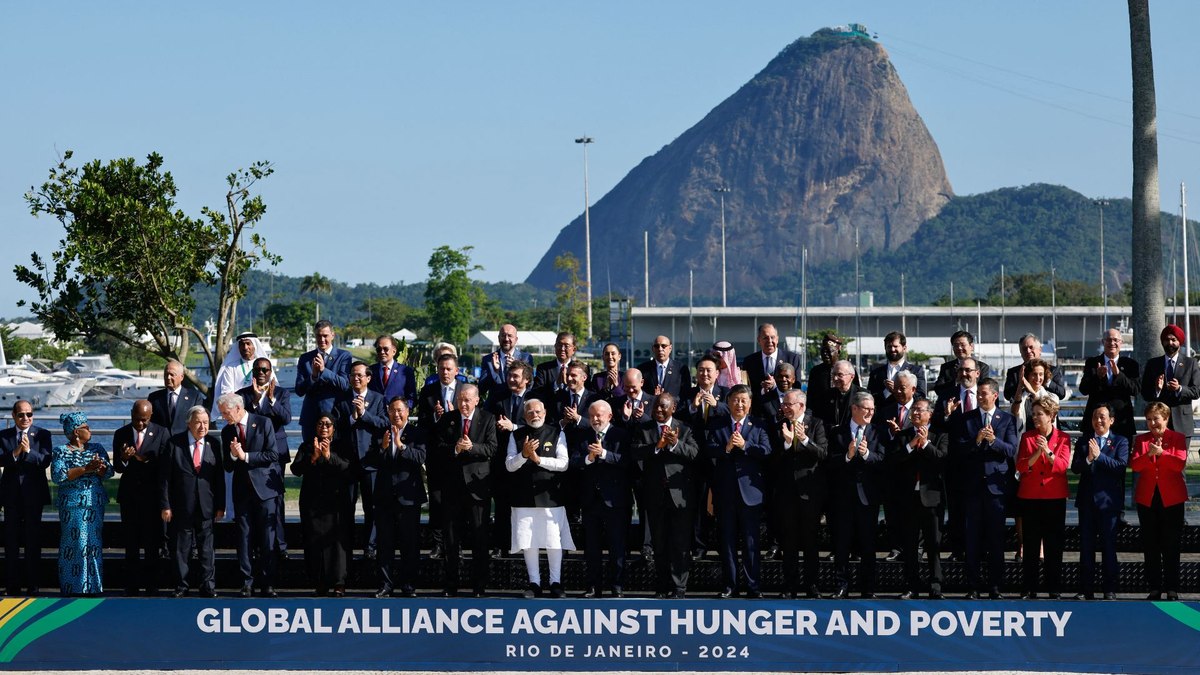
[(517, 457)]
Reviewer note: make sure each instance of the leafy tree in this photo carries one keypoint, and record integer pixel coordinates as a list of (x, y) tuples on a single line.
[(572, 296), (448, 293), (130, 259), (288, 320), (316, 284), (17, 347)]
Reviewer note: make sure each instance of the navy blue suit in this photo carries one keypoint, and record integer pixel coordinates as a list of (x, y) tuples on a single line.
[(137, 493), (194, 497), (879, 375), (493, 380), (984, 476), (401, 381), (399, 494), (321, 391), (739, 487), (257, 485), (24, 492), (858, 489), (677, 379), (160, 409), (1100, 498), (280, 414), (604, 494), (359, 435)]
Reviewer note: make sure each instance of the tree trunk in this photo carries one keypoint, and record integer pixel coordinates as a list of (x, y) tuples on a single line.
[(1148, 312)]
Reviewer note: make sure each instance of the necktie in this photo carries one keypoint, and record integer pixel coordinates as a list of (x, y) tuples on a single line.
[(987, 419), (172, 398), (737, 427), (515, 413), (662, 374), (1112, 367), (503, 363), (446, 397), (1170, 372), (241, 433), (387, 373), (903, 415), (197, 454), (768, 365), (968, 401), (467, 426), (137, 441), (575, 401)]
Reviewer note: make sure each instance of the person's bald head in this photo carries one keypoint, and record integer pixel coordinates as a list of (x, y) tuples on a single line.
[(139, 414)]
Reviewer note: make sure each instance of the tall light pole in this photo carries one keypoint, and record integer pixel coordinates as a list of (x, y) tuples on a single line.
[(722, 191), (1103, 279), (587, 233)]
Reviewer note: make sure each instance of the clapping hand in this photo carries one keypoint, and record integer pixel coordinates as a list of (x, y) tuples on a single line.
[(735, 441), (318, 364), (463, 444), (505, 424), (529, 450), (1093, 449)]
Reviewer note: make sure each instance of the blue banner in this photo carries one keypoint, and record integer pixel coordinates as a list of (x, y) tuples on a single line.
[(511, 634)]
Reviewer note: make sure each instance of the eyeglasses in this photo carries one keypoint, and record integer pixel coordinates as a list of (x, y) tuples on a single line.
[(324, 423), (22, 414), (662, 346), (262, 370)]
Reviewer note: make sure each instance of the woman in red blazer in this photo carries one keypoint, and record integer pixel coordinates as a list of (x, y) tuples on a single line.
[(1159, 457), (1043, 458)]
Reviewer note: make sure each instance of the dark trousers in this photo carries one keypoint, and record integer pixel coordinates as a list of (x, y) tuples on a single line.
[(197, 533), (734, 515), (915, 521), (983, 516), (22, 527), (857, 524), (141, 522), (327, 534), (1045, 523), (398, 528), (501, 517), (436, 516), (672, 537), (645, 517), (957, 504), (365, 488), (798, 520), (1093, 522), (256, 530), (703, 521), (465, 520), (1161, 527), (280, 537), (605, 526)]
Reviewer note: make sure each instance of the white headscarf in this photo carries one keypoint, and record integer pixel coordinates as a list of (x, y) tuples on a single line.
[(236, 373)]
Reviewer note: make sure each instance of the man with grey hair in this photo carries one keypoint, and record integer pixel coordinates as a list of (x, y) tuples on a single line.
[(834, 410), (192, 488), (250, 455), (892, 417), (856, 458), (1031, 348), (600, 457), (799, 447)]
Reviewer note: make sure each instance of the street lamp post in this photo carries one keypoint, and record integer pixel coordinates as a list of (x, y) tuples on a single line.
[(1103, 279), (587, 233), (722, 191)]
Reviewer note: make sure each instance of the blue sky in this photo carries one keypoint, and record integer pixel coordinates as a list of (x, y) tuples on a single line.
[(398, 127)]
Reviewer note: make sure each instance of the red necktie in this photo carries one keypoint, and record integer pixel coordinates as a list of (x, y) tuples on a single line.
[(137, 441), (737, 427), (467, 427), (241, 433), (198, 454), (387, 372), (969, 401), (903, 414)]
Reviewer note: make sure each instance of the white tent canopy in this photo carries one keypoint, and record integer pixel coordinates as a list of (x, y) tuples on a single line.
[(534, 341)]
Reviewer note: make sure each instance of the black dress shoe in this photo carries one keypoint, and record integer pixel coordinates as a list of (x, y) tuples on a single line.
[(893, 556), (648, 554), (842, 593), (972, 595), (1084, 596), (789, 595), (936, 595), (478, 594), (207, 593), (246, 592), (868, 596), (283, 554), (699, 553), (617, 592), (1028, 596), (591, 592), (1110, 596), (450, 593), (1054, 596), (661, 595), (772, 553), (1157, 595), (369, 554), (268, 592), (384, 592), (339, 592), (533, 591), (907, 595), (754, 595), (813, 593), (436, 553), (1172, 595), (995, 595), (725, 594), (179, 593), (408, 592)]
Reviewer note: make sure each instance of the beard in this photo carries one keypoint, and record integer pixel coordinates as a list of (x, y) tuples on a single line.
[(536, 425)]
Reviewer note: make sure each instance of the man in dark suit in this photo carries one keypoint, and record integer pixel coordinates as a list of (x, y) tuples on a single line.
[(137, 448), (799, 451), (633, 407), (767, 407), (360, 416), (856, 458), (705, 402), (953, 401), (1173, 379), (1114, 380), (882, 380), (433, 403), (321, 376), (962, 346), (1100, 460), (466, 441), (25, 454), (397, 459), (739, 446), (265, 397), (191, 480), (509, 410), (760, 366), (570, 404), (1031, 348), (666, 450), (389, 377), (171, 403), (249, 454), (493, 379), (891, 417), (551, 376), (820, 378), (663, 373), (834, 409), (601, 457), (986, 446), (915, 458)]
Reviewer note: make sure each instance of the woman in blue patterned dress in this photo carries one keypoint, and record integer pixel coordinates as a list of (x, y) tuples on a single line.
[(78, 468)]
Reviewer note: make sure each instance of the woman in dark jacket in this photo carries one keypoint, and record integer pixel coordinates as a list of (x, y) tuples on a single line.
[(327, 471)]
